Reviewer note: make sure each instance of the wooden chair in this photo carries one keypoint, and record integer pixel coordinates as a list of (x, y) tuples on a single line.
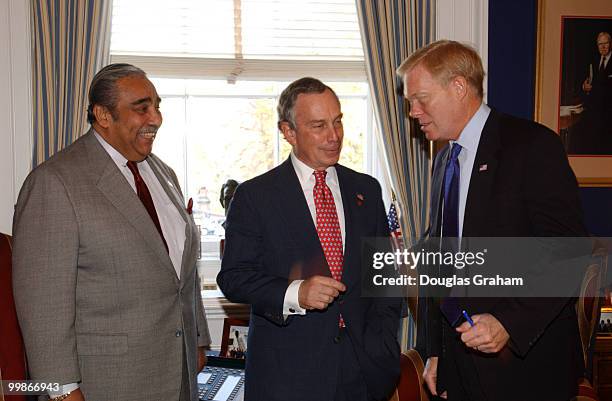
[(12, 355), (410, 387), (587, 309)]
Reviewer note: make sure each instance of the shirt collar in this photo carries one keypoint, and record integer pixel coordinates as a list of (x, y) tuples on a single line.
[(470, 135), (117, 157), (305, 173)]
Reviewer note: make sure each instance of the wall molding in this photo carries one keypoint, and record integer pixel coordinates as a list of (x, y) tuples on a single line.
[(465, 21), (15, 104)]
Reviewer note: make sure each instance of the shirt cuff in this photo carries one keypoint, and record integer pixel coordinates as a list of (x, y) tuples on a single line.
[(64, 389), (291, 304)]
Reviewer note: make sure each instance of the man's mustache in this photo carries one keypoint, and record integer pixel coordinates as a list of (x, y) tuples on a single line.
[(148, 130)]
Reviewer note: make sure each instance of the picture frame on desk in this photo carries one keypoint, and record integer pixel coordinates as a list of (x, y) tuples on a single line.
[(234, 339), (604, 327), (567, 33)]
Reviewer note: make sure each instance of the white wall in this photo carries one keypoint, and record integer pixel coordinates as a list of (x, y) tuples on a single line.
[(465, 21), (15, 104)]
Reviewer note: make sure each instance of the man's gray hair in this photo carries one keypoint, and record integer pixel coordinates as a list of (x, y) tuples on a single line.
[(606, 34), (286, 102), (103, 88)]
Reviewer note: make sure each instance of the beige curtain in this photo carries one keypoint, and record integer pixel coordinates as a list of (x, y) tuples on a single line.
[(391, 30), (71, 42)]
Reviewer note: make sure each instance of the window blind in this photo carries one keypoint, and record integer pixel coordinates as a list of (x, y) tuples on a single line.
[(239, 39)]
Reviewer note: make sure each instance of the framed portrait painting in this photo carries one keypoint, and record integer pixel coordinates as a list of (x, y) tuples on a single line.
[(574, 83)]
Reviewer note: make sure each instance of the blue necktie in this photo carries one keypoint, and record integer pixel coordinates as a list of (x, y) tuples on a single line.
[(450, 222), (450, 225)]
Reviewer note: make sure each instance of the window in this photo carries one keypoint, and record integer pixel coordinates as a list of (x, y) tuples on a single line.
[(219, 67), (252, 29)]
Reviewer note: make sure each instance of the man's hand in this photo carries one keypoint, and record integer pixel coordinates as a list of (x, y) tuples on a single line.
[(317, 292), (430, 375), (201, 358), (75, 395), (586, 86), (488, 335)]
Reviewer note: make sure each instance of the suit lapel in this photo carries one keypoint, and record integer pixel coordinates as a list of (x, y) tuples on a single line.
[(352, 246), (120, 194), (482, 179), (293, 209), (177, 200)]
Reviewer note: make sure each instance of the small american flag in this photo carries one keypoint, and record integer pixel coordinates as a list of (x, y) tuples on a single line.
[(394, 225), (396, 231)]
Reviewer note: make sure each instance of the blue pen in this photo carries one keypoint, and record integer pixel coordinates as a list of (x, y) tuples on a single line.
[(468, 318)]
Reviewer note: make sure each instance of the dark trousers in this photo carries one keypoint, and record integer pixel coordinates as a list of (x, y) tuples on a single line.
[(463, 382), (351, 384)]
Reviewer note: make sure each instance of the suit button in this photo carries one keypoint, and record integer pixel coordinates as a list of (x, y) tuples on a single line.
[(291, 310), (337, 340), (178, 333)]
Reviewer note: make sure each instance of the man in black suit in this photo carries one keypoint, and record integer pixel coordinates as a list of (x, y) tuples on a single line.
[(293, 252), (596, 128), (512, 179)]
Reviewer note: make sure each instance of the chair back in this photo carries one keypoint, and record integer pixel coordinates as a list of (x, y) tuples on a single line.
[(588, 303), (410, 387), (12, 355), (587, 310)]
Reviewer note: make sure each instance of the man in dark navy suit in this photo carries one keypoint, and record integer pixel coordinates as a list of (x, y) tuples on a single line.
[(499, 176), (293, 252)]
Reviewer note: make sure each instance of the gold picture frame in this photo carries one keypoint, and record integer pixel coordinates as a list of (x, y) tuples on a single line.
[(591, 171)]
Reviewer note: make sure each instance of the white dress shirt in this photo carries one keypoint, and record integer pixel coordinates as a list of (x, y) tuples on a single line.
[(305, 174)]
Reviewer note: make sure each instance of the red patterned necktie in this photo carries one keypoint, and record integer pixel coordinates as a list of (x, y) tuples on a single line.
[(328, 227), (145, 198)]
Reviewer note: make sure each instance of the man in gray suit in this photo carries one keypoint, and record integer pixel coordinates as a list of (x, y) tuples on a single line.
[(105, 283)]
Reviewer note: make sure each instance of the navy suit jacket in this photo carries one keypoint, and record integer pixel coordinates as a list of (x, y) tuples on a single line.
[(527, 190), (271, 240)]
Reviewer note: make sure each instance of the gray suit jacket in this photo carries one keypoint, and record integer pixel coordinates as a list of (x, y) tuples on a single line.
[(98, 299)]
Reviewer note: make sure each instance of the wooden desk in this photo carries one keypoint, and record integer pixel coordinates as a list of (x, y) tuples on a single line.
[(602, 367)]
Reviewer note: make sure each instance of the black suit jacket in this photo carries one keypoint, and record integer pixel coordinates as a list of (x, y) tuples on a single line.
[(599, 98), (527, 190), (271, 240)]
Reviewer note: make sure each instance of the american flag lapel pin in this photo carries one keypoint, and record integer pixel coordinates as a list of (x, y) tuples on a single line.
[(190, 206), (482, 167), (360, 199)]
